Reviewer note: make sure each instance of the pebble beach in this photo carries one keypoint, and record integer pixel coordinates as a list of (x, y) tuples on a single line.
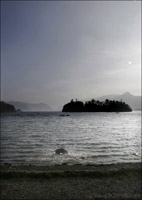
[(71, 182)]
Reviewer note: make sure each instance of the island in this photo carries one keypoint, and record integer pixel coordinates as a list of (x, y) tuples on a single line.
[(96, 106), (6, 108)]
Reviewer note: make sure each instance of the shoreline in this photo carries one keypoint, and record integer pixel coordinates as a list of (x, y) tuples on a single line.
[(74, 169), (72, 182)]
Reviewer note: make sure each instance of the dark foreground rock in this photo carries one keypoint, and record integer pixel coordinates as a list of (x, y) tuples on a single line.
[(122, 181)]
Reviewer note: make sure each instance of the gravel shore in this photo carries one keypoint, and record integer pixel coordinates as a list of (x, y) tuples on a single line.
[(76, 182)]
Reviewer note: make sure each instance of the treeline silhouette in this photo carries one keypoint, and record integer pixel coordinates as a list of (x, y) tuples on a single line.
[(96, 106)]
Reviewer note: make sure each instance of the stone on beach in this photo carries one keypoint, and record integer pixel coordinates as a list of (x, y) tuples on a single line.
[(61, 151)]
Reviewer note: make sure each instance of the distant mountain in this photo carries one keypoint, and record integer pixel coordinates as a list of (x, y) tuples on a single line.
[(133, 101), (103, 98), (30, 107)]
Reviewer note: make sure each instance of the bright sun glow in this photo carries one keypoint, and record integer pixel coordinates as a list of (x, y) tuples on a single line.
[(129, 62)]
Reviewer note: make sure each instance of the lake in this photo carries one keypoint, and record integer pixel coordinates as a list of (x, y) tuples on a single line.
[(89, 138)]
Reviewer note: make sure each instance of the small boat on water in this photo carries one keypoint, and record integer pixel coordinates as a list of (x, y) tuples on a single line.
[(63, 115)]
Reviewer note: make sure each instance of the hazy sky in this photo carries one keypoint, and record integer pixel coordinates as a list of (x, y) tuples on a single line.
[(52, 52)]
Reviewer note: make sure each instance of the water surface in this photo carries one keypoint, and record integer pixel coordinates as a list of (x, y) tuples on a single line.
[(96, 138)]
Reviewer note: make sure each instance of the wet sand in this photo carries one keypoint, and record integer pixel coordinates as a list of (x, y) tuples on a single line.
[(76, 182)]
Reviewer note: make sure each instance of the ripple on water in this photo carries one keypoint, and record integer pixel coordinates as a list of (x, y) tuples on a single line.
[(88, 137)]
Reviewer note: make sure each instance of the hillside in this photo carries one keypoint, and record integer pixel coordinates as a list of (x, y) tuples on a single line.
[(133, 101), (6, 108), (30, 107)]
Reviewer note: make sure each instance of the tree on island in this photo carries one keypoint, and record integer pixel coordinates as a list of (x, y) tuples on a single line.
[(74, 106), (96, 106)]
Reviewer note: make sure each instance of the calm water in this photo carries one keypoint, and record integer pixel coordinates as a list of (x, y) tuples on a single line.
[(33, 137)]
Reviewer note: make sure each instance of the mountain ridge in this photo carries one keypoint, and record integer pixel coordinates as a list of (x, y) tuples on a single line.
[(24, 106), (132, 100)]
